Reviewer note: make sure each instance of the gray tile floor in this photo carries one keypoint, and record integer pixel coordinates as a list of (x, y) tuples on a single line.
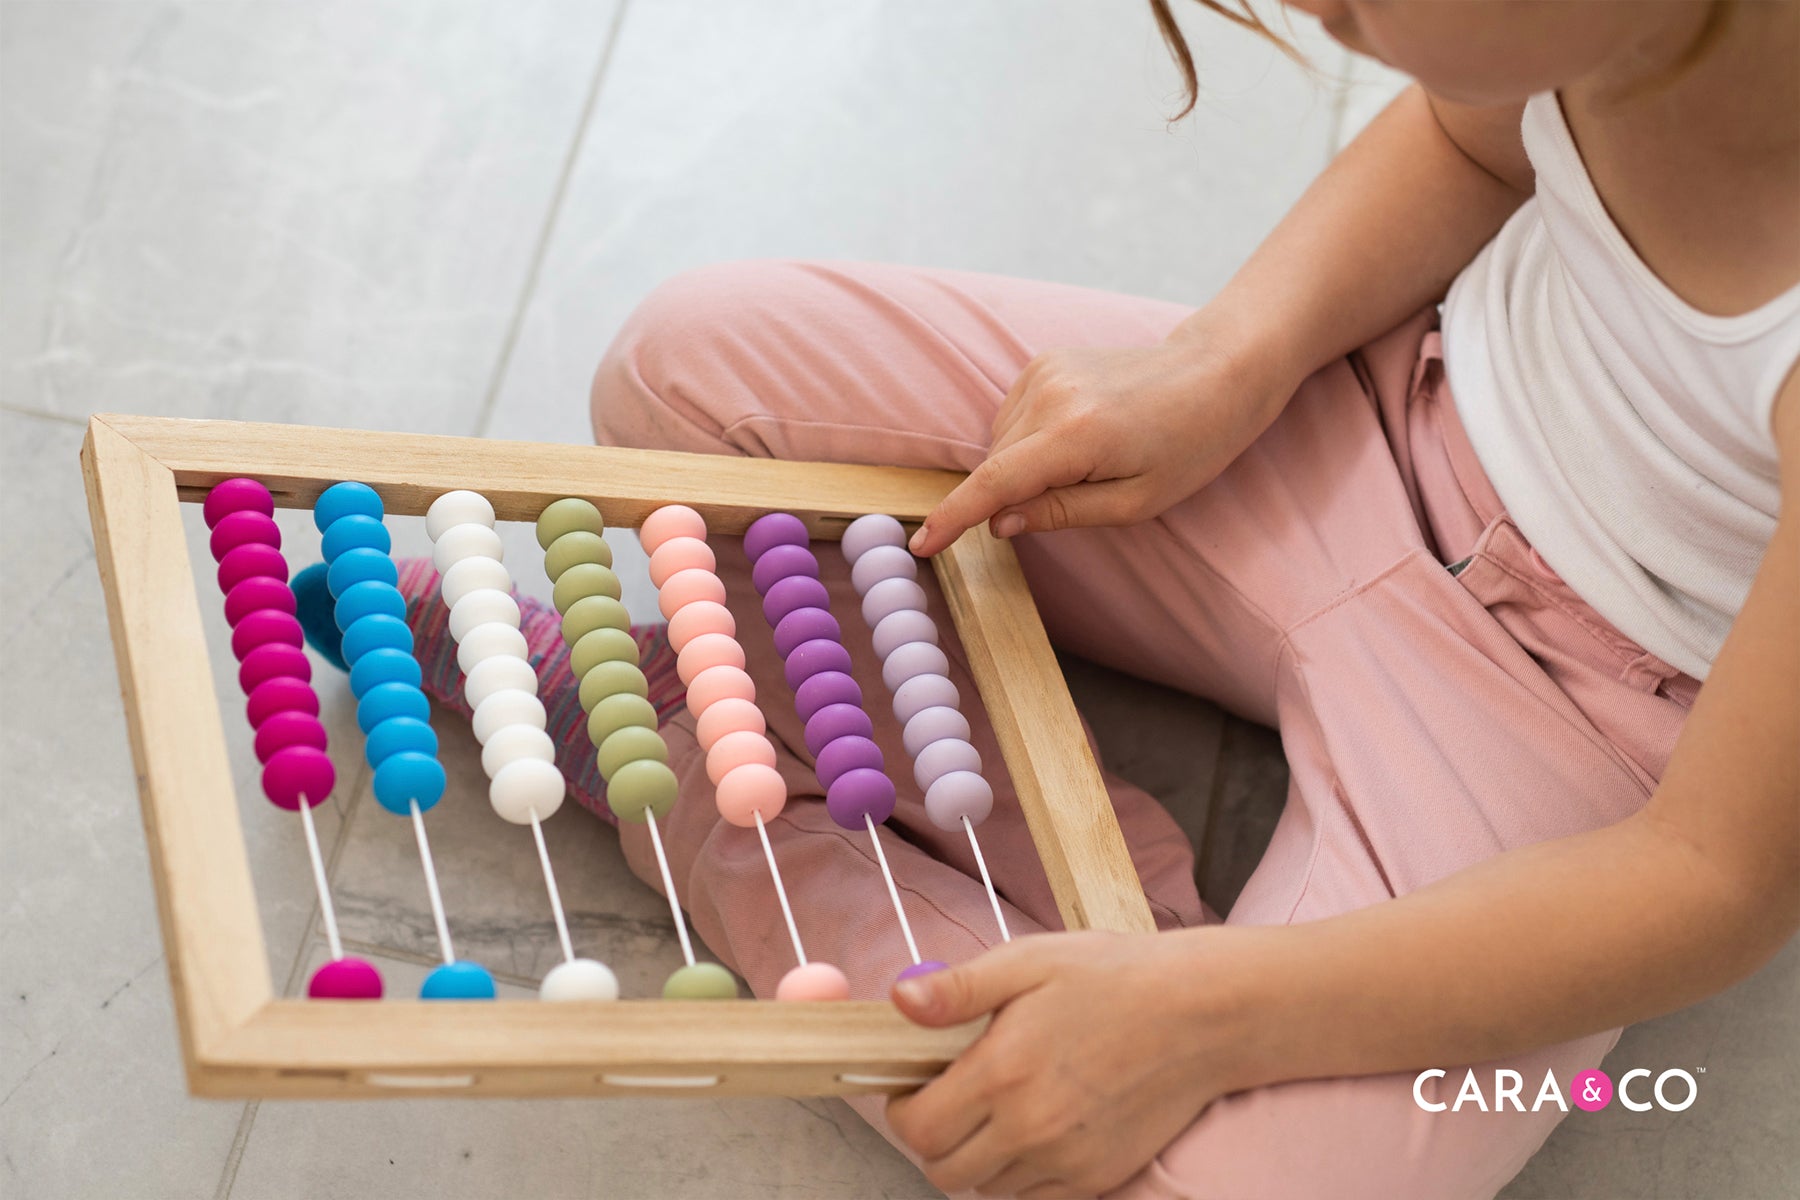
[(393, 214)]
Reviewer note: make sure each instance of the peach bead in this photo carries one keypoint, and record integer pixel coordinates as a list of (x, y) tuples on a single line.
[(750, 789), (716, 683), (703, 616), (727, 716), (685, 587), (681, 554), (670, 521), (813, 981), (734, 750), (707, 650)]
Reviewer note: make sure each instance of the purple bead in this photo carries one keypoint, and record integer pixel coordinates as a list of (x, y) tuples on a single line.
[(805, 625), (236, 495), (847, 754), (835, 721), (809, 658), (860, 792), (257, 593), (929, 967), (955, 795), (240, 528), (827, 687), (922, 692), (261, 628), (865, 533), (914, 658), (943, 757), (898, 628), (273, 660), (279, 695), (792, 594), (889, 597), (776, 529), (250, 561), (345, 979), (882, 563), (782, 562), (295, 773), (930, 725)]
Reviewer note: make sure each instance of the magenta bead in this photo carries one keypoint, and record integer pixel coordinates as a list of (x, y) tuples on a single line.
[(929, 967), (776, 529), (251, 561), (809, 658), (236, 495), (257, 593), (263, 627), (782, 562), (243, 528), (835, 721), (272, 660), (805, 625), (794, 593), (284, 729), (278, 695), (345, 979), (827, 687), (846, 754), (296, 772), (858, 793)]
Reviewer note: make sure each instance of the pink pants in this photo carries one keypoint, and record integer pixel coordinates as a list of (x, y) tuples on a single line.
[(1432, 717)]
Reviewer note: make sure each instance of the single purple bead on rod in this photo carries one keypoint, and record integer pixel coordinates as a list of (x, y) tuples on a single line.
[(236, 495), (898, 628), (860, 792), (262, 628), (827, 687), (248, 562), (929, 967), (933, 725), (776, 529), (256, 594), (295, 773), (782, 562), (805, 625), (889, 597), (273, 660), (279, 695), (880, 564), (835, 721), (793, 593), (914, 658), (242, 528), (922, 692), (865, 533), (846, 754), (955, 795), (941, 758), (809, 658), (285, 729)]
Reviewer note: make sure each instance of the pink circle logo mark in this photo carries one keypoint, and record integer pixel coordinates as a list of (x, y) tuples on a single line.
[(1591, 1091)]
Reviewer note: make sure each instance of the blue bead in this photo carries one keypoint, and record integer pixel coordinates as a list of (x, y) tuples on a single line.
[(359, 566), (408, 776), (460, 980), (383, 666), (397, 734), (312, 608), (355, 532), (345, 500), (367, 598), (376, 631), (386, 700)]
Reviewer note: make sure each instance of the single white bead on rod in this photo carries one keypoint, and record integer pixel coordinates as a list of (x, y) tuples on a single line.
[(498, 675), (457, 508), (474, 574), (526, 786), (479, 607), (514, 742), (580, 979), (504, 708), (490, 640), (460, 542)]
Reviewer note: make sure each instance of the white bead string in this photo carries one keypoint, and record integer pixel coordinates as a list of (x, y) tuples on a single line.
[(988, 880), (662, 862), (318, 869), (780, 889), (912, 947), (431, 885), (556, 907)]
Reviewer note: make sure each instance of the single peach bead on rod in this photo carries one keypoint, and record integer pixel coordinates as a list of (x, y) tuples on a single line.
[(736, 748), (670, 521), (707, 650), (702, 616), (717, 683), (686, 587), (748, 790), (727, 716), (813, 981), (681, 554)]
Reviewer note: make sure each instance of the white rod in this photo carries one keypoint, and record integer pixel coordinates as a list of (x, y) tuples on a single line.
[(562, 925), (780, 889), (987, 879), (912, 947), (318, 870), (662, 862), (431, 885)]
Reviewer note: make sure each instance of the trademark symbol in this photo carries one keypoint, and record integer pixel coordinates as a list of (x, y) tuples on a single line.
[(1699, 1070)]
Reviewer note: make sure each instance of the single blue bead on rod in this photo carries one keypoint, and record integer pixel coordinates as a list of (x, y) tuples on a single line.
[(408, 776), (355, 532), (461, 980), (312, 608), (387, 700), (397, 735), (383, 666), (377, 631), (360, 566), (345, 500), (368, 598)]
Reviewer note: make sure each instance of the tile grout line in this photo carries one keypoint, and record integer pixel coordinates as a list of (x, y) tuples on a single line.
[(535, 269)]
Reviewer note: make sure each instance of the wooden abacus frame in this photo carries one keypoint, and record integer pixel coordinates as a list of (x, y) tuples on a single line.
[(239, 1039)]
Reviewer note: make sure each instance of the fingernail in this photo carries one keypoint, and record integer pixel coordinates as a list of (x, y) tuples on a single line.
[(914, 991), (918, 539), (1010, 525)]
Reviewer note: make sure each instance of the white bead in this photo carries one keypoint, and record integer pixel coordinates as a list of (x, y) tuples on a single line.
[(914, 658), (472, 574), (457, 508), (935, 761), (580, 979), (498, 675), (466, 541), (898, 628), (514, 742), (481, 606), (487, 641), (502, 709), (882, 562), (525, 786)]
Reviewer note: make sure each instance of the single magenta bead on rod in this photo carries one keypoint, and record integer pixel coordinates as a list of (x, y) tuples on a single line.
[(359, 566), (748, 790), (573, 549), (460, 542), (702, 616), (734, 749), (295, 773), (345, 979), (502, 674), (609, 679), (942, 757), (386, 700), (914, 658), (591, 613), (881, 564), (783, 562), (406, 777), (365, 599), (891, 596), (568, 515), (860, 792), (396, 735), (865, 533), (813, 981), (250, 561), (846, 754), (262, 628), (835, 721), (480, 607), (282, 694), (355, 532), (345, 500), (617, 711), (383, 666), (639, 786), (955, 795), (460, 980), (681, 554), (496, 639), (460, 507), (375, 632), (602, 646), (727, 716), (507, 708), (584, 579), (630, 744), (273, 660), (669, 522), (903, 626), (255, 595), (933, 725), (286, 729), (708, 650), (805, 625), (809, 658), (579, 979), (686, 587), (929, 967), (525, 786), (701, 981), (922, 692), (826, 687), (473, 574), (776, 529), (236, 495), (794, 592), (718, 683), (243, 528)]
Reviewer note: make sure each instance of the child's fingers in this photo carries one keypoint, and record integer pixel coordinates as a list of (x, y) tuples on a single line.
[(1009, 477), (1108, 502)]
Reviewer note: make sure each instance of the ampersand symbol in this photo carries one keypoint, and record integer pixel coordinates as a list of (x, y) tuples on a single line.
[(1590, 1091)]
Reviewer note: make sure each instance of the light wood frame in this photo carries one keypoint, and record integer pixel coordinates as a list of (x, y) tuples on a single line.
[(241, 1040)]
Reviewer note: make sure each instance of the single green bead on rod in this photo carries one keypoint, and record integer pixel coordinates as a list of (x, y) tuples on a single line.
[(584, 580), (701, 981), (642, 785), (602, 645), (573, 548), (591, 613), (628, 745), (569, 515), (611, 679), (615, 712)]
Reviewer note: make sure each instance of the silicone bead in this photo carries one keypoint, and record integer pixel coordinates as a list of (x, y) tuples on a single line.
[(922, 692), (686, 587), (903, 626), (249, 561), (582, 580), (513, 743), (794, 592), (296, 772), (525, 786), (859, 793), (503, 674), (317, 613), (882, 563), (629, 744), (942, 757), (591, 613), (386, 700), (457, 508), (708, 650), (507, 708), (602, 645), (273, 660), (669, 522), (573, 549), (615, 712), (717, 683), (929, 967), (383, 666), (748, 790), (480, 607), (345, 500), (914, 658), (236, 495), (474, 574), (702, 616), (243, 528), (865, 533), (736, 748), (375, 632), (727, 716), (366, 599), (256, 594), (783, 562), (826, 687), (262, 628), (639, 786), (461, 980), (701, 981), (891, 596), (355, 533), (776, 529), (809, 658), (846, 754), (681, 554), (568, 515), (609, 679), (958, 794), (288, 729), (345, 979), (357, 566), (932, 725), (805, 625), (495, 639), (813, 981), (406, 777), (397, 734), (579, 979), (281, 694), (461, 542), (835, 721)]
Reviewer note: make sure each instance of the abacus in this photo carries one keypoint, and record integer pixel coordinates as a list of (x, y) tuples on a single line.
[(239, 1039)]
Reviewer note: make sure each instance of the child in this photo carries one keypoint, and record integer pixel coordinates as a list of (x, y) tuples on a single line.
[(1476, 576)]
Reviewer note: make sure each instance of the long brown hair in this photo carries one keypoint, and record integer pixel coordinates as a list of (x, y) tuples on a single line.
[(1241, 15)]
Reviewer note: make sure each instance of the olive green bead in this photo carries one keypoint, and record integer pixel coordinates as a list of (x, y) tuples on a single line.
[(702, 981), (628, 745), (642, 785), (583, 580), (611, 679), (591, 613), (615, 712), (569, 515), (602, 645), (573, 548)]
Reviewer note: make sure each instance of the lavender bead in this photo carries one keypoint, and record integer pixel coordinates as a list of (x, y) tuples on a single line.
[(865, 533), (835, 721), (776, 529), (794, 593), (827, 687), (922, 692), (882, 562), (956, 795), (805, 625), (846, 754), (898, 628), (941, 758), (809, 658), (891, 596), (933, 725), (782, 562), (914, 658), (859, 793), (929, 967)]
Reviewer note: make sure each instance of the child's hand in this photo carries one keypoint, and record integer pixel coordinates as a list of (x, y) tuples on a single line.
[(1106, 437), (1103, 1048)]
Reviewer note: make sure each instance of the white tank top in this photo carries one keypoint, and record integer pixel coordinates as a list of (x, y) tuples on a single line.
[(1628, 434)]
